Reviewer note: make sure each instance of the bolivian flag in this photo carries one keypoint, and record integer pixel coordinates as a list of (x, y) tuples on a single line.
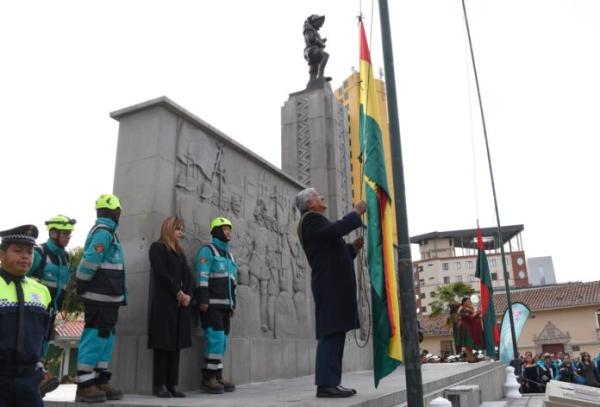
[(387, 350)]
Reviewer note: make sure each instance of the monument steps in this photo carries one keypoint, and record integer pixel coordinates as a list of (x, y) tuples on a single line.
[(300, 391)]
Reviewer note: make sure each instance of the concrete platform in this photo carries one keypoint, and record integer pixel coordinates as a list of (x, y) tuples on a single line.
[(300, 392)]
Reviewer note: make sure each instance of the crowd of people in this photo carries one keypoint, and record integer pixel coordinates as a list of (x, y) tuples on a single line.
[(538, 370), (34, 279)]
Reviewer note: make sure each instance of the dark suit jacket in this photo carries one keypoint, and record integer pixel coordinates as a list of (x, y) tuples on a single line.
[(332, 262)]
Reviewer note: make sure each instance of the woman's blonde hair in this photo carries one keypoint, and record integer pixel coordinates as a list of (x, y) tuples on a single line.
[(167, 233)]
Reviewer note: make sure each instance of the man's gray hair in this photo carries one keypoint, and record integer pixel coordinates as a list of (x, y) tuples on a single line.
[(303, 197)]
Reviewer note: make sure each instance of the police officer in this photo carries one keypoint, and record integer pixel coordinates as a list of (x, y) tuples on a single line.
[(216, 277), (52, 267), (25, 320), (101, 284)]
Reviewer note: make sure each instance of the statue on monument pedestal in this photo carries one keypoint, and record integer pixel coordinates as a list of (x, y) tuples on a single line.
[(314, 51)]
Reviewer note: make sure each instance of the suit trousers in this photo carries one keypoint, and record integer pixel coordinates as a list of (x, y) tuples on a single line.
[(328, 366)]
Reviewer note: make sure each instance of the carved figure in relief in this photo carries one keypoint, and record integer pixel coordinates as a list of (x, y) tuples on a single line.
[(259, 270)]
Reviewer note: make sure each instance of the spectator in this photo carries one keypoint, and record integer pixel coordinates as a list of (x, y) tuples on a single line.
[(531, 375), (585, 369)]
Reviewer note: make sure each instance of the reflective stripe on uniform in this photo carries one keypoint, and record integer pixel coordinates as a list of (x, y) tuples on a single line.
[(102, 297), (111, 266), (89, 265), (214, 366), (86, 368), (219, 275), (219, 301), (83, 276), (102, 365), (214, 356)]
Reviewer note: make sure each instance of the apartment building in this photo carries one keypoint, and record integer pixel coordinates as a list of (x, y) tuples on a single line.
[(450, 257)]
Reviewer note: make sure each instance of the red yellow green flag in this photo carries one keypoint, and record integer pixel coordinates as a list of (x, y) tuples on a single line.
[(387, 350)]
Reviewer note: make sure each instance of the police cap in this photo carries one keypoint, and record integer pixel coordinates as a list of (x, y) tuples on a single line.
[(25, 234)]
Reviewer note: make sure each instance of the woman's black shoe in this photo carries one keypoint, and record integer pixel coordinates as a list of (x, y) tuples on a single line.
[(161, 391), (175, 393)]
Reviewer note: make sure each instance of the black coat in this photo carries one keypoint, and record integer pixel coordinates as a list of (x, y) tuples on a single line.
[(169, 324), (332, 262)]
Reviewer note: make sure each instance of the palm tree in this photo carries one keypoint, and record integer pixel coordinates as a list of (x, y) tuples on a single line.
[(448, 298)]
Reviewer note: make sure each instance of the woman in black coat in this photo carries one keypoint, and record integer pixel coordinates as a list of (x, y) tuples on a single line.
[(170, 329)]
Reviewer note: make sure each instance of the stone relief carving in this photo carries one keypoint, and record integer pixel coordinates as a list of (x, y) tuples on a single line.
[(271, 294), (552, 334), (303, 146)]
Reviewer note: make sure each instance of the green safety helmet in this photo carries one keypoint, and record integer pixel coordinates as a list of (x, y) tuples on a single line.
[(216, 222), (108, 201), (61, 222)]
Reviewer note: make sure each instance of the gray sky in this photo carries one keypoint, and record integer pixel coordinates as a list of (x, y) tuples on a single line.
[(67, 64)]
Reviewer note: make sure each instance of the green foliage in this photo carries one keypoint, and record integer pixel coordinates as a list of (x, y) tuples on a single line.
[(448, 299), (72, 305)]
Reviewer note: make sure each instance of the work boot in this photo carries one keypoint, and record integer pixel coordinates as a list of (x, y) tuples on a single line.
[(211, 385), (49, 383), (112, 393), (90, 394), (228, 387)]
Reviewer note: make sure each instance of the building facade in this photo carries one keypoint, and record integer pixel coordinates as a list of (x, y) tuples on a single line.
[(541, 270), (564, 318), (451, 257)]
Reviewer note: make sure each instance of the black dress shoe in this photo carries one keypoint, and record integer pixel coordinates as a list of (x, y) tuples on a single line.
[(333, 391), (175, 393), (161, 391), (347, 388)]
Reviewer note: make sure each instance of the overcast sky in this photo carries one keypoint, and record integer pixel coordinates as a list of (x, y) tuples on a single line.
[(66, 64)]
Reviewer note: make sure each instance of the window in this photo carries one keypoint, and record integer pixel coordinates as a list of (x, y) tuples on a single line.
[(494, 276), (424, 309), (492, 262), (419, 268), (471, 277), (457, 265), (445, 266), (422, 295), (598, 318), (469, 264), (421, 282), (446, 346), (459, 279), (576, 348), (446, 280), (432, 295)]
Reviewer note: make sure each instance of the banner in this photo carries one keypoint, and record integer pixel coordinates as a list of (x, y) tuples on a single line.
[(520, 314)]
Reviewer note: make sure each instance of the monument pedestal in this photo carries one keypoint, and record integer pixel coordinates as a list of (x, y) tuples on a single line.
[(314, 146)]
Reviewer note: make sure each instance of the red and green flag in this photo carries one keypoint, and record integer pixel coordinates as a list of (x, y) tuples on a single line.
[(387, 350), (491, 336)]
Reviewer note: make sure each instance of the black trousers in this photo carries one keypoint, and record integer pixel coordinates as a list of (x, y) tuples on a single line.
[(21, 391), (166, 368), (328, 366)]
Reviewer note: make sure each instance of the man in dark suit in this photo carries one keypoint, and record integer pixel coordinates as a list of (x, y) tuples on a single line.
[(333, 284)]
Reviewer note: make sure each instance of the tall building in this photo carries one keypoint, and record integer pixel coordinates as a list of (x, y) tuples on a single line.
[(450, 257), (349, 95), (541, 270)]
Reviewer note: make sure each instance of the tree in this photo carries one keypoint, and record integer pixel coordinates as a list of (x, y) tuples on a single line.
[(72, 305), (448, 298)]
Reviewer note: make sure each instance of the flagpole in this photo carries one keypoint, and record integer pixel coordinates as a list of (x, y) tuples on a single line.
[(501, 241), (408, 322)]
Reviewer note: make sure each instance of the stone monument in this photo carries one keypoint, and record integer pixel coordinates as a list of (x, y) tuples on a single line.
[(171, 162)]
